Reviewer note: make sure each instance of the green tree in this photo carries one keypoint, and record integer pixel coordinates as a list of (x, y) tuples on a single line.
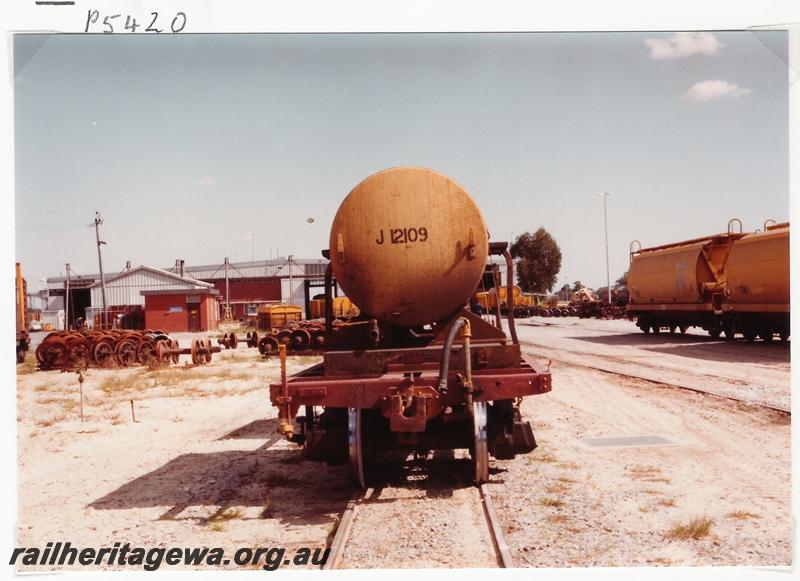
[(538, 261), (576, 286)]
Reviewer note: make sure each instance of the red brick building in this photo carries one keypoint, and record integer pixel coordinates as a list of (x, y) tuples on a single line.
[(181, 310)]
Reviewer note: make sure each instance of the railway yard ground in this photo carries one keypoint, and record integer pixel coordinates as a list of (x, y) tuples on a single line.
[(636, 465)]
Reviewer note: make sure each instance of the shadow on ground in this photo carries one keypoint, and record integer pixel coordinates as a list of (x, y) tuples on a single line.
[(697, 347), (256, 430), (281, 482)]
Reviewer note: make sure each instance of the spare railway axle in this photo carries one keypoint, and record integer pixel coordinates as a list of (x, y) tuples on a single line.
[(200, 350), (67, 350)]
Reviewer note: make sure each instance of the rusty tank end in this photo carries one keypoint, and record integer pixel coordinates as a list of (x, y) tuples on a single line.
[(408, 246), (416, 371)]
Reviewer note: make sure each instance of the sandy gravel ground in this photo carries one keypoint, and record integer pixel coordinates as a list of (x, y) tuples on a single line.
[(568, 504), (757, 372), (202, 466), (424, 513)]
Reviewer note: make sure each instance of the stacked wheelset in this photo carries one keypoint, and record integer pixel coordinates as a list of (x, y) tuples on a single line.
[(115, 348), (300, 337)]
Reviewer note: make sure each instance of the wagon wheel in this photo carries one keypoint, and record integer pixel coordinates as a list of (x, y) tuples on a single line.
[(253, 339), (162, 356), (301, 339), (233, 341), (175, 346), (78, 354), (40, 348), (284, 336), (683, 329), (729, 329), (765, 332), (656, 329), (103, 353), (145, 351), (207, 345), (54, 354), (672, 329), (317, 339), (355, 447), (125, 352), (480, 449), (197, 358), (267, 345)]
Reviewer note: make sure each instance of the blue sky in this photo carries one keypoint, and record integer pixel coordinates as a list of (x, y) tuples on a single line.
[(189, 143)]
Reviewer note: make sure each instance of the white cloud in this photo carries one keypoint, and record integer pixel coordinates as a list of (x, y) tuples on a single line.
[(683, 44), (205, 181), (706, 91)]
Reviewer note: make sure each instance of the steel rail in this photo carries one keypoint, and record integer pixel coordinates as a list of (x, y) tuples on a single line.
[(498, 540), (658, 382)]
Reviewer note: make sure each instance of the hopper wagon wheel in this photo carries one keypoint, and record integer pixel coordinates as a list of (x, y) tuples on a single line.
[(765, 332), (672, 329), (480, 451), (729, 329), (267, 345), (682, 329), (715, 332), (233, 341), (355, 446), (103, 353), (125, 352), (301, 340), (145, 351), (656, 329)]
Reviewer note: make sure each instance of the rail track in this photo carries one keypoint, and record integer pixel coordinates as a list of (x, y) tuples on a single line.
[(359, 499), (604, 368)]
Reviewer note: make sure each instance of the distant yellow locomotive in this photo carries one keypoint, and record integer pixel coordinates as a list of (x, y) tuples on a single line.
[(733, 282)]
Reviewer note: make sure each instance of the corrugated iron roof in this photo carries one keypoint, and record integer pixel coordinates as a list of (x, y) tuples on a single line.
[(158, 272), (274, 268)]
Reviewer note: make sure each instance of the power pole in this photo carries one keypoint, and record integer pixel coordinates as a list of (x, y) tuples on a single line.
[(97, 222), (291, 301), (66, 302), (228, 315), (605, 220)]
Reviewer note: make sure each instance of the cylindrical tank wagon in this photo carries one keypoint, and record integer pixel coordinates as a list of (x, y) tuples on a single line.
[(734, 282), (416, 371)]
